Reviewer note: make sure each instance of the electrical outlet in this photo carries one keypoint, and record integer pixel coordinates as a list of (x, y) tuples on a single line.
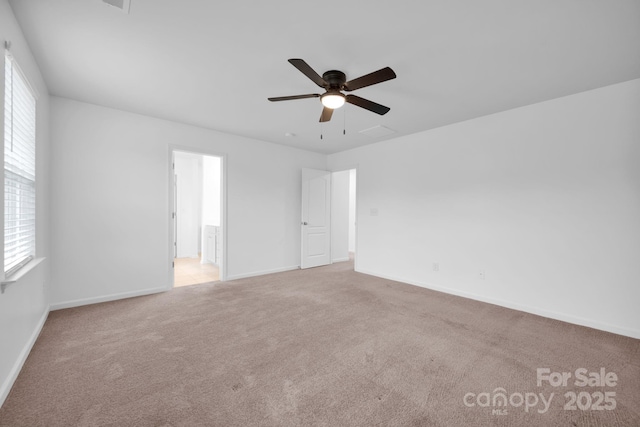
[(482, 275), (436, 266)]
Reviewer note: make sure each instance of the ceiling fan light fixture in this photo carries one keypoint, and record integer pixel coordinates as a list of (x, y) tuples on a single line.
[(332, 100)]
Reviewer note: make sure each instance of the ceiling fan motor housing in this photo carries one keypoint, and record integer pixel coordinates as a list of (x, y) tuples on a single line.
[(335, 78)]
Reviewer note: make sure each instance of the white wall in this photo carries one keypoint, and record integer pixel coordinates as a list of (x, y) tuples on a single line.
[(340, 216), (543, 198), (25, 304), (211, 193), (189, 175), (111, 187)]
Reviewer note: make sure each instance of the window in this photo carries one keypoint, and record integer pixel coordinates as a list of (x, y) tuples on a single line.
[(19, 169)]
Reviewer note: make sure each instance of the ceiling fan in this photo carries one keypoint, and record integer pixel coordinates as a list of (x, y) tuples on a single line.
[(334, 82)]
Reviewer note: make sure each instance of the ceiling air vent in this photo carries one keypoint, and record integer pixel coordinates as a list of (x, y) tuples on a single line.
[(378, 131), (123, 5)]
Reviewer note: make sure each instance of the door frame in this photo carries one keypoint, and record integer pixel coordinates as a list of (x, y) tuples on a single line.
[(348, 168), (223, 206)]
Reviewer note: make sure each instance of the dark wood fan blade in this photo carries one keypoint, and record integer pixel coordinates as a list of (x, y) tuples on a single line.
[(289, 98), (309, 72), (326, 114), (376, 77), (368, 105)]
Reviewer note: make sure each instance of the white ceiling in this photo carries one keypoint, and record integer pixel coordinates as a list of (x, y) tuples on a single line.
[(214, 63)]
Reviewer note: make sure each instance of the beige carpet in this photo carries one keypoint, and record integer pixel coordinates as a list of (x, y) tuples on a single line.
[(321, 347)]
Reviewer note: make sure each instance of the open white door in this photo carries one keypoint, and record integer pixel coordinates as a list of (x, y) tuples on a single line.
[(316, 218)]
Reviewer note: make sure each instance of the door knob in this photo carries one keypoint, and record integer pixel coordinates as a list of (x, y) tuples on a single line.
[(305, 223)]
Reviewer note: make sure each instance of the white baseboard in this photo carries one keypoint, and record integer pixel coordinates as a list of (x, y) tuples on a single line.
[(17, 367), (632, 333), (340, 260), (106, 298), (261, 273)]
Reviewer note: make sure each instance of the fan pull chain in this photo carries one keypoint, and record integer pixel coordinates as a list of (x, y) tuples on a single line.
[(320, 130), (344, 121)]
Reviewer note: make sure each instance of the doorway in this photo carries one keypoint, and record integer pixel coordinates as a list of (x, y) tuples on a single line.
[(328, 218), (343, 216), (352, 215), (197, 218)]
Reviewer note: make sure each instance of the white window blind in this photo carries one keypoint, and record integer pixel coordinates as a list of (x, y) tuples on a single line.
[(19, 169)]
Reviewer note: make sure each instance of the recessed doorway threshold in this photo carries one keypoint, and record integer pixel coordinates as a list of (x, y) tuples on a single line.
[(190, 271)]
